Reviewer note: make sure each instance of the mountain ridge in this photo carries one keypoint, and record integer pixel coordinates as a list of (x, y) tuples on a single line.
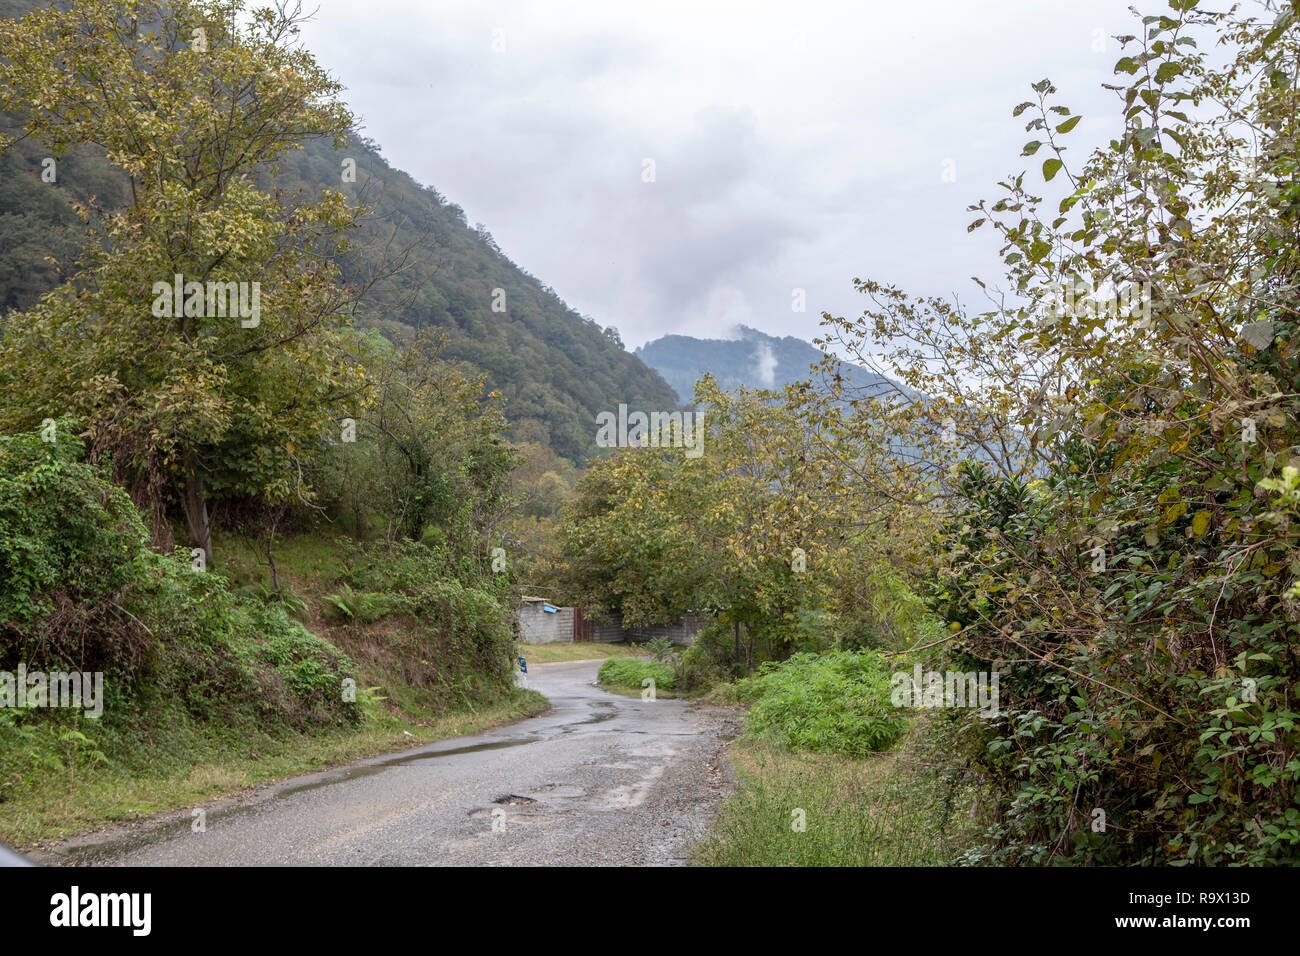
[(752, 359)]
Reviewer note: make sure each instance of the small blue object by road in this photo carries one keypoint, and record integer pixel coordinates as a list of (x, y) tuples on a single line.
[(523, 666)]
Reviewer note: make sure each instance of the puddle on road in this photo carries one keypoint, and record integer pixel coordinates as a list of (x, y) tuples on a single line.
[(601, 711)]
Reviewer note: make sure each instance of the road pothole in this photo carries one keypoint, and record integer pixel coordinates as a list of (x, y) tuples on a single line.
[(514, 800), (561, 791)]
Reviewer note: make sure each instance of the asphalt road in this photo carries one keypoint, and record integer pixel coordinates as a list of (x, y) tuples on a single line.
[(599, 780)]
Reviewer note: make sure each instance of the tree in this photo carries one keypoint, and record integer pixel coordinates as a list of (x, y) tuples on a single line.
[(655, 532), (222, 386), (443, 460)]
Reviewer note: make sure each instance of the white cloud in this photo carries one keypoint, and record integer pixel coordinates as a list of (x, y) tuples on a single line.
[(765, 365), (795, 146)]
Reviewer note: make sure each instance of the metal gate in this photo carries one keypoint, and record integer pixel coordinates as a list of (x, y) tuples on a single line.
[(583, 628)]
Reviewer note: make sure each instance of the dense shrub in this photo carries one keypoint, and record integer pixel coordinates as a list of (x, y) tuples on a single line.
[(70, 544), (80, 589), (711, 658), (456, 640), (875, 607), (629, 672), (1176, 715), (834, 703)]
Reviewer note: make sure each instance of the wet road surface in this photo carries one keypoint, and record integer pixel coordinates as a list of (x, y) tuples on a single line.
[(599, 780)]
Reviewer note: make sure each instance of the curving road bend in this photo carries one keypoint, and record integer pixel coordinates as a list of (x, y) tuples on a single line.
[(598, 780)]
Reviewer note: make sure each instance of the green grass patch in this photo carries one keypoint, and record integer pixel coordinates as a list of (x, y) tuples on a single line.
[(586, 651), (889, 810), (628, 673)]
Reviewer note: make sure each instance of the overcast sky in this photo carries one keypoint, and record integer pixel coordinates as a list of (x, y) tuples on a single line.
[(795, 145)]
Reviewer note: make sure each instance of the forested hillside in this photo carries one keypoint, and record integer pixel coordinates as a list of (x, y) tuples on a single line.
[(555, 369), (422, 266)]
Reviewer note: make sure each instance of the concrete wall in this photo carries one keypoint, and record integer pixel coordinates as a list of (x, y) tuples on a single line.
[(538, 627), (682, 631)]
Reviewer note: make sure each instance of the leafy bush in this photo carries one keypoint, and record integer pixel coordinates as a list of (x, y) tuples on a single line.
[(630, 672), (457, 642), (364, 607), (293, 605), (876, 608), (814, 631), (1206, 707), (80, 589), (711, 659), (834, 703), (662, 649), (70, 544)]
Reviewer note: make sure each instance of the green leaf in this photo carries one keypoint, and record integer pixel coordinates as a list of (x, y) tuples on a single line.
[(1168, 71), (1050, 168), (1069, 124)]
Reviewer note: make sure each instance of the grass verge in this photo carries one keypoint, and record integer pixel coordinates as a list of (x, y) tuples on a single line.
[(587, 651), (60, 805), (886, 810)]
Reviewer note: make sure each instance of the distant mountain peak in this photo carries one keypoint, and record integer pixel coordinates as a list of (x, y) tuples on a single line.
[(750, 358)]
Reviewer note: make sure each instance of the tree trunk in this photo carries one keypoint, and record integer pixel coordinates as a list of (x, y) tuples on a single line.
[(147, 494), (195, 504), (276, 515)]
